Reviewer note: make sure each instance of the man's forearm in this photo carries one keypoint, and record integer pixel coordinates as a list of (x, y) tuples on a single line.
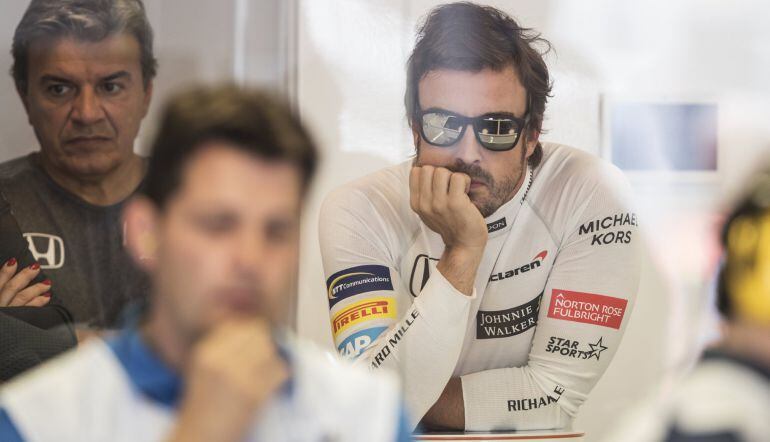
[(449, 411), (459, 267)]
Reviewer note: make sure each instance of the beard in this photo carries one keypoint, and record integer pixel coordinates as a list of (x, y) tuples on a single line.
[(500, 191)]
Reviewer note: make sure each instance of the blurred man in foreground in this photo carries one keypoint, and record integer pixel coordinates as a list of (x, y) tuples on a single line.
[(217, 227)]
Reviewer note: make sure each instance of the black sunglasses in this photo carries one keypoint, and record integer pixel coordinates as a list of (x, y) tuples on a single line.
[(494, 131)]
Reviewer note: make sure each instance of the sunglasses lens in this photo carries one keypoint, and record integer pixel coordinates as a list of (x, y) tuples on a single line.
[(441, 129), (497, 133)]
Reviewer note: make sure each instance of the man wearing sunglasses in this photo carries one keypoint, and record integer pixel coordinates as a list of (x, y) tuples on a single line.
[(495, 273)]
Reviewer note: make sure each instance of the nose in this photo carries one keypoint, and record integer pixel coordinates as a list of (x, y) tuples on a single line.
[(468, 149), (87, 108), (250, 253)]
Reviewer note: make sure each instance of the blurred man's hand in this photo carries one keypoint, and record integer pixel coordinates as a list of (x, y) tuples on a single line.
[(233, 371)]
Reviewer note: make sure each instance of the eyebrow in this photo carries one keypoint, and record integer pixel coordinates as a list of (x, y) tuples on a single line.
[(57, 79), (441, 109)]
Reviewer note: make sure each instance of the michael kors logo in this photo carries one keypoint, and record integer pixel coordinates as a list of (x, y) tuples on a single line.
[(48, 250)]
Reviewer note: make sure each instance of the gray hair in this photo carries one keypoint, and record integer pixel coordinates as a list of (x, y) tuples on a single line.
[(88, 20)]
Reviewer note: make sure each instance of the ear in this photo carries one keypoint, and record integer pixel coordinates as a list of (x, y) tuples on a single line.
[(140, 232), (532, 138), (23, 96), (147, 98), (415, 136)]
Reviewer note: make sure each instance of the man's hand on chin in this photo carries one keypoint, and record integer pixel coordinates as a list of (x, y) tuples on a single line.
[(440, 198), (232, 372)]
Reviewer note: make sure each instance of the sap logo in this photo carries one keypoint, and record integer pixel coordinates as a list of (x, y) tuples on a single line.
[(536, 262), (354, 344), (357, 280), (420, 273), (48, 250), (378, 308)]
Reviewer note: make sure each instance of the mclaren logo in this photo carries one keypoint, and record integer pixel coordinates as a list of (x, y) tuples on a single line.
[(47, 249), (536, 262)]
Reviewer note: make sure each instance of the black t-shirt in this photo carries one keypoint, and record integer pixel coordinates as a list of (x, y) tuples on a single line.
[(78, 245)]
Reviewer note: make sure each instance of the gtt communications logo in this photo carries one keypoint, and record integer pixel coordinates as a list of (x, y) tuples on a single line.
[(48, 250)]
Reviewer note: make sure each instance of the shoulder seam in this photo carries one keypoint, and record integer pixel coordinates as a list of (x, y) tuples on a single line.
[(542, 220)]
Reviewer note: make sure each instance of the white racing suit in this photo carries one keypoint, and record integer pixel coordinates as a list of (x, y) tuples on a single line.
[(552, 296)]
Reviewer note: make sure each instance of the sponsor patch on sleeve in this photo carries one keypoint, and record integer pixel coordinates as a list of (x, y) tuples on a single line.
[(587, 308), (357, 280), (363, 311), (359, 341)]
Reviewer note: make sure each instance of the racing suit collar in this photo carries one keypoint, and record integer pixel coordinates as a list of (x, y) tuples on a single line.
[(502, 219)]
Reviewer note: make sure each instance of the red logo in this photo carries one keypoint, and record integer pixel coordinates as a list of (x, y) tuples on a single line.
[(541, 256), (587, 308)]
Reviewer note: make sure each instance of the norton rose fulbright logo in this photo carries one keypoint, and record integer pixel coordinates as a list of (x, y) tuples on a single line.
[(587, 308)]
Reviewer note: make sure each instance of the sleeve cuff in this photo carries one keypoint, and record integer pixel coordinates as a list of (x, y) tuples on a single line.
[(484, 395), (440, 299)]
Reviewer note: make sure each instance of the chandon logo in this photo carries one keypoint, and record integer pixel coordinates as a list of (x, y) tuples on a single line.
[(536, 261), (496, 225)]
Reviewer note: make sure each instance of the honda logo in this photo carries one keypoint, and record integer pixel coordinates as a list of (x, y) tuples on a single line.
[(48, 250)]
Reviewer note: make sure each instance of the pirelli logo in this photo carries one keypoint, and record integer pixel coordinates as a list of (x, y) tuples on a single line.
[(370, 309)]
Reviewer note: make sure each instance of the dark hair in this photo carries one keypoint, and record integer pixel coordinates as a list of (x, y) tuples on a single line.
[(249, 119), (87, 20), (469, 37)]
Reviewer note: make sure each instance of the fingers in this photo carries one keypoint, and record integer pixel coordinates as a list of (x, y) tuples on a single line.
[(459, 185), (39, 301), (414, 188), (17, 283), (29, 294), (440, 188), (426, 189), (6, 273)]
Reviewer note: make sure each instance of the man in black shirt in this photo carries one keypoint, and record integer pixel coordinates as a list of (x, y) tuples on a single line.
[(83, 71)]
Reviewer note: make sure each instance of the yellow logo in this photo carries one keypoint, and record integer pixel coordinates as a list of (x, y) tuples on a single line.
[(363, 311)]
